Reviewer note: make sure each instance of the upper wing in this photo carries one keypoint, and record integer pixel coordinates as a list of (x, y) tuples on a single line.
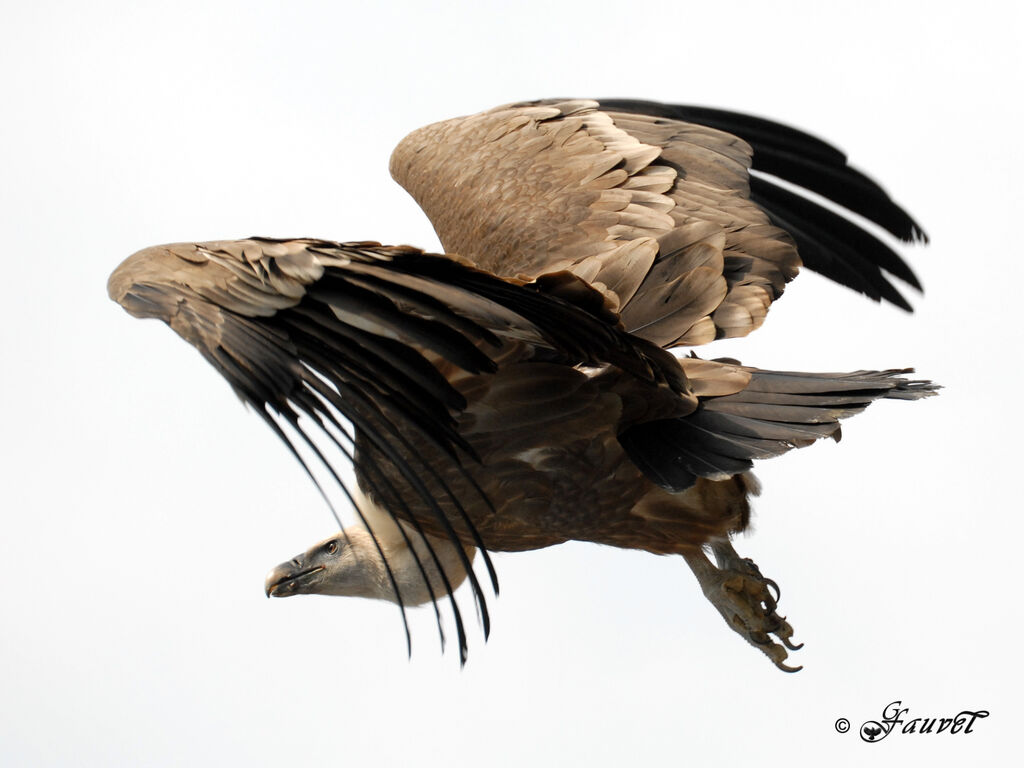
[(653, 203), (372, 334)]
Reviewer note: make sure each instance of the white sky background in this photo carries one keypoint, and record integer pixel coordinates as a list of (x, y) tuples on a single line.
[(142, 505)]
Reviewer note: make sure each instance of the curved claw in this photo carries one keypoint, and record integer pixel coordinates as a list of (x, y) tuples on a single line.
[(774, 587), (788, 644), (786, 668)]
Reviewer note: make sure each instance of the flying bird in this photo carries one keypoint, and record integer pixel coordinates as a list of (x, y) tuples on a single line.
[(519, 390)]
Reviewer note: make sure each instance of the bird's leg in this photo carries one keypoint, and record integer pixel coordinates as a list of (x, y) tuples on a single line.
[(745, 599)]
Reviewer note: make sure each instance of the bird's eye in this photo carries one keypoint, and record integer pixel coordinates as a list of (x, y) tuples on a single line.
[(332, 547)]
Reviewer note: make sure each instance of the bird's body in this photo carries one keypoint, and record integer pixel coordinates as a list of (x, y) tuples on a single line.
[(516, 392), (552, 468)]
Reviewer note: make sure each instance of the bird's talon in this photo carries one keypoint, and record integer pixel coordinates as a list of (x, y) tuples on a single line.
[(747, 601)]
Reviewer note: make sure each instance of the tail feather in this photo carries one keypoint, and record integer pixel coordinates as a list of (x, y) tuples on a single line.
[(776, 412)]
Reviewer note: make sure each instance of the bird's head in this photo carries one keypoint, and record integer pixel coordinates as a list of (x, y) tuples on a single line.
[(334, 566), (356, 563)]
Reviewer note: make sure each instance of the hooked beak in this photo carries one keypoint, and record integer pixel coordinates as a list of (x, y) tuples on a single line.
[(289, 578)]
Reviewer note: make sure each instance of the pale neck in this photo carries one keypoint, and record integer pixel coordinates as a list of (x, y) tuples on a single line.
[(367, 576)]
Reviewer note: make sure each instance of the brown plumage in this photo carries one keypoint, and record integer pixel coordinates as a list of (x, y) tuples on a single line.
[(516, 393)]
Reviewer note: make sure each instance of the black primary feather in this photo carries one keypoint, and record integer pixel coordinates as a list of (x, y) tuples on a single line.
[(828, 243)]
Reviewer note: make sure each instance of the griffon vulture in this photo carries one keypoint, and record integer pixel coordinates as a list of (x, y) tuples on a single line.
[(518, 392)]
